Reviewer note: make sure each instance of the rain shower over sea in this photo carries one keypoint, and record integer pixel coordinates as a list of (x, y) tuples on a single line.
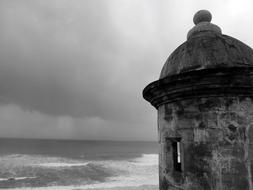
[(76, 165)]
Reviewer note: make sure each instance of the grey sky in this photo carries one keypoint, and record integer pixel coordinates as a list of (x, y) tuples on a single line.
[(76, 68)]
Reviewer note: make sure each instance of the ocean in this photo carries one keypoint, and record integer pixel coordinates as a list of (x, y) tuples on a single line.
[(78, 165)]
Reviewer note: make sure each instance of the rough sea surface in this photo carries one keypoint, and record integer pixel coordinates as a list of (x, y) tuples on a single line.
[(64, 164)]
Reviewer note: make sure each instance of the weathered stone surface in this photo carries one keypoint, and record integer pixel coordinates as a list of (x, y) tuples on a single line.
[(202, 16), (207, 50), (215, 82), (211, 111), (215, 143), (204, 99)]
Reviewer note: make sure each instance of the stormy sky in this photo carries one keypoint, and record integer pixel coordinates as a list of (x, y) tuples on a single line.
[(75, 69)]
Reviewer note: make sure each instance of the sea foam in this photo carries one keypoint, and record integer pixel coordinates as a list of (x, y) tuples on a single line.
[(61, 164), (126, 173)]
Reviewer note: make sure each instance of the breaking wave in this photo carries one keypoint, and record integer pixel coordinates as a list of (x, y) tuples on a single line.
[(38, 171)]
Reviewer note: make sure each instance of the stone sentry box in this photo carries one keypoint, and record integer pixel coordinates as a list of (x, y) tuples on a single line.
[(204, 99)]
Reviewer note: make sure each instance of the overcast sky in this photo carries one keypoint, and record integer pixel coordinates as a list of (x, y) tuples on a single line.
[(75, 69)]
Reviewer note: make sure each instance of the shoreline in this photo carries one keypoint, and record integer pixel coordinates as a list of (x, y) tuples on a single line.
[(140, 187)]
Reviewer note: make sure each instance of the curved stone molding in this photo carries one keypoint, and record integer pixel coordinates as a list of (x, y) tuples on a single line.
[(215, 82)]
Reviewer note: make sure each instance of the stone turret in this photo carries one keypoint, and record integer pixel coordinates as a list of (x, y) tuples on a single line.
[(204, 99)]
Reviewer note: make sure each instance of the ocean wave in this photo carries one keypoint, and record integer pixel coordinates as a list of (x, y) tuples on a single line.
[(15, 178), (61, 164), (147, 160), (54, 176), (120, 187), (63, 173)]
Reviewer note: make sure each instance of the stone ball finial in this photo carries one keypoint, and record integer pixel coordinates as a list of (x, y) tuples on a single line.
[(202, 16)]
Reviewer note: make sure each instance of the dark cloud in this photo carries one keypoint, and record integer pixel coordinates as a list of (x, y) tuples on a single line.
[(89, 59), (75, 59)]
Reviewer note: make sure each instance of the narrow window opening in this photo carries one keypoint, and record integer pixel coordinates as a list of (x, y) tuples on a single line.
[(176, 154)]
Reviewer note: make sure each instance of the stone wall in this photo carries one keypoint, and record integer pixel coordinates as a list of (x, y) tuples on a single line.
[(216, 143)]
